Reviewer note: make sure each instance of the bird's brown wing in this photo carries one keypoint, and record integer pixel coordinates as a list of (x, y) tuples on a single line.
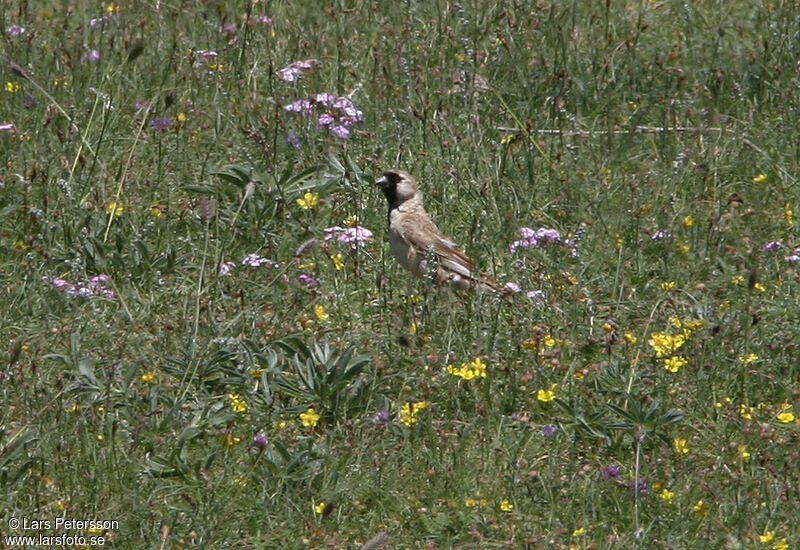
[(424, 237)]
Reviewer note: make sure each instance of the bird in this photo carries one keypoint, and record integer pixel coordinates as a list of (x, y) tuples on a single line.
[(417, 242)]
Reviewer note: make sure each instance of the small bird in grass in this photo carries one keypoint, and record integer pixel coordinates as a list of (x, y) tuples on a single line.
[(418, 244)]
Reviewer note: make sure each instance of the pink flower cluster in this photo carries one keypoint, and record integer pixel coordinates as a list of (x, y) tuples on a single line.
[(251, 260), (338, 113), (792, 258), (535, 237), (293, 71), (96, 286), (354, 236)]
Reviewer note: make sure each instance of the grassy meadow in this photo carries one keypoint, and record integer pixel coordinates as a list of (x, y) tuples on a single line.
[(205, 338)]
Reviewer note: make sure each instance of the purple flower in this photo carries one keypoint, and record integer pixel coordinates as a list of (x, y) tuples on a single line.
[(255, 260), (534, 237), (325, 119), (794, 257), (95, 287), (96, 21), (15, 30), (260, 440), (91, 55), (306, 280), (340, 131), (294, 71), (324, 98), (536, 295), (300, 106), (354, 236), (549, 430), (6, 127), (512, 287), (381, 418), (639, 486), (229, 27), (293, 140), (660, 234), (265, 19), (612, 470), (160, 123), (100, 279), (29, 100), (202, 57), (773, 245), (226, 267)]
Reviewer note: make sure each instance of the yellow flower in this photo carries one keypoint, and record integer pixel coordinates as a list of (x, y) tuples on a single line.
[(74, 408), (60, 81), (767, 537), (412, 328), (745, 411), (607, 327), (578, 532), (761, 178), (507, 139), (694, 324), (529, 344), (749, 358), (759, 287), (112, 7), (786, 417), (737, 280), (688, 221), (549, 341), (674, 363), (546, 395), (781, 545), (12, 87), (506, 505), (308, 200), (115, 209), (664, 343), (351, 221), (725, 305), (157, 210), (338, 262), (240, 481), (231, 440), (182, 117), (675, 321), (701, 508), (310, 418), (148, 376), (683, 248), (319, 311), (788, 214), (474, 369), (237, 403), (470, 502), (409, 410), (319, 508), (744, 454), (256, 373), (667, 495), (618, 242), (666, 286), (680, 445), (630, 337)]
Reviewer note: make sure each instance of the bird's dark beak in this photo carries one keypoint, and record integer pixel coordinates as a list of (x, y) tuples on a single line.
[(382, 181)]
